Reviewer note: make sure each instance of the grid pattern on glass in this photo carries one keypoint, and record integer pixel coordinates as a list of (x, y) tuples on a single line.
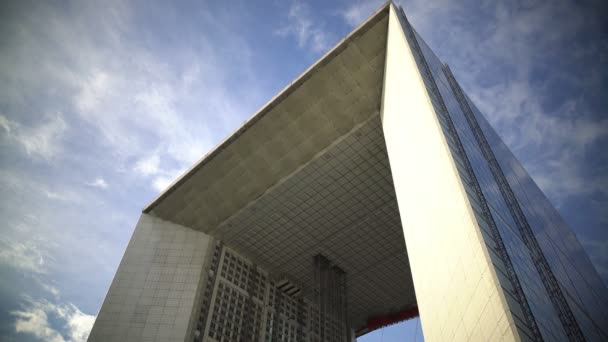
[(544, 220), (583, 289), (542, 266), (547, 320), (477, 197)]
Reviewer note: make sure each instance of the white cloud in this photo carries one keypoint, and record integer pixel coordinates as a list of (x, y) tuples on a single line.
[(148, 166), (49, 288), (126, 97), (160, 178), (63, 195), (93, 89), (98, 183), (25, 255), (307, 31), (17, 183), (121, 99), (34, 319), (162, 182), (79, 324), (42, 139), (358, 11), (5, 124)]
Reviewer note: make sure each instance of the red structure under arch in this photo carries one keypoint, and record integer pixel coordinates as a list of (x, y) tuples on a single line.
[(382, 321)]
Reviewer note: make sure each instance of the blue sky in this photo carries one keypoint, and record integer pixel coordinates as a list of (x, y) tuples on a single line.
[(103, 104)]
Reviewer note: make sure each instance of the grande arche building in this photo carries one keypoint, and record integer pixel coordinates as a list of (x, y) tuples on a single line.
[(370, 190)]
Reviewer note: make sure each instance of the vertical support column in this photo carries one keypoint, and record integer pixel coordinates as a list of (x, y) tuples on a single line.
[(330, 296), (278, 298), (249, 326), (458, 293), (212, 276), (214, 291), (341, 302), (321, 264), (301, 319), (266, 310)]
